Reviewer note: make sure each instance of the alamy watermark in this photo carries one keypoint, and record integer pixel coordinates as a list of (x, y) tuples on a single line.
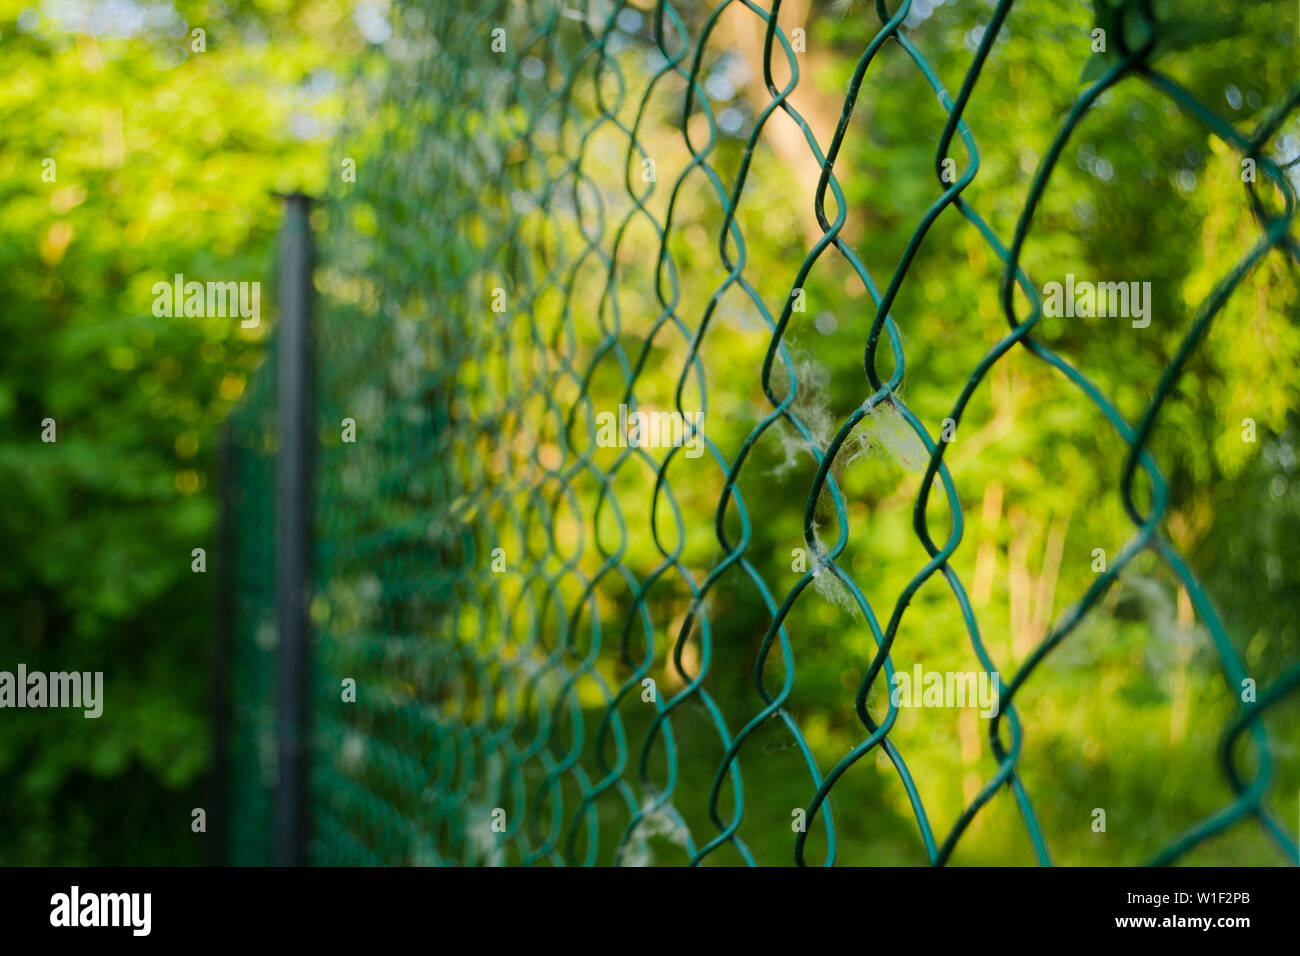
[(651, 430), (1104, 300), (75, 908), (212, 300), (36, 689), (924, 688)]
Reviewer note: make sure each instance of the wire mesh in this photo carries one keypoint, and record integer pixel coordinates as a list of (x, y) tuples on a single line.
[(566, 639)]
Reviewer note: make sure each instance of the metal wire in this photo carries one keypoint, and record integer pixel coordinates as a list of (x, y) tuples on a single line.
[(497, 718)]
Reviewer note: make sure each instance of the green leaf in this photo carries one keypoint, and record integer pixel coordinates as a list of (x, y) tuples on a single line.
[(1184, 33), (1097, 66)]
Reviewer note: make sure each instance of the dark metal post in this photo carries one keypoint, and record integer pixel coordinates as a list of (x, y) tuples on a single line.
[(223, 633), (293, 541)]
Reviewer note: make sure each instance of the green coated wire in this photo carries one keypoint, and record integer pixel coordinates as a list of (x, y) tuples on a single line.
[(492, 691)]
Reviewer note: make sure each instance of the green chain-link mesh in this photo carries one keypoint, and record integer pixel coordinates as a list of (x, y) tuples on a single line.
[(503, 587)]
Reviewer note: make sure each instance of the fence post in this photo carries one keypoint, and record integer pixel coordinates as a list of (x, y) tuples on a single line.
[(223, 642), (293, 540)]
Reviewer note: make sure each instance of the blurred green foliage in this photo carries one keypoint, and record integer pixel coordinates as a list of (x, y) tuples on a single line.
[(164, 162)]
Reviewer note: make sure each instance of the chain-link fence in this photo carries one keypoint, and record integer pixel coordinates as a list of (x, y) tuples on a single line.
[(691, 383)]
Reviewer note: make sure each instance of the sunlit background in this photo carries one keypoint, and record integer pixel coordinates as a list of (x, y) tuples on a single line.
[(167, 160)]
